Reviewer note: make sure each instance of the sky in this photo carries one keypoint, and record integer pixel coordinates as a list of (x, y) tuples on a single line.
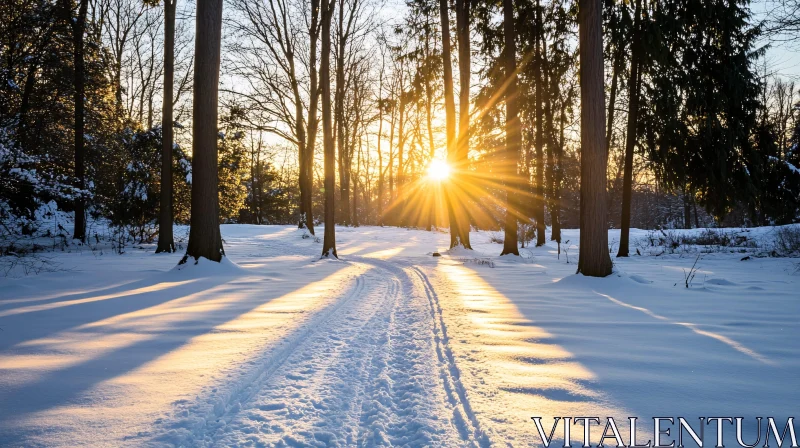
[(782, 58)]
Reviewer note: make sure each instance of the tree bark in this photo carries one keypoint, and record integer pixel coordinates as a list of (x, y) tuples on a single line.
[(166, 242), (613, 95), (78, 26), (379, 217), (329, 239), (204, 235), (450, 120), (341, 145), (461, 176), (313, 121), (593, 259), (513, 136), (539, 201), (630, 144)]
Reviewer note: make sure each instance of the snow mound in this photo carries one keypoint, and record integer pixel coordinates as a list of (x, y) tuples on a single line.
[(203, 267)]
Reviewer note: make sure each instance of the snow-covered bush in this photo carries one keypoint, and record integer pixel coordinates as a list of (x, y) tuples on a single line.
[(787, 240), (25, 190), (129, 185)]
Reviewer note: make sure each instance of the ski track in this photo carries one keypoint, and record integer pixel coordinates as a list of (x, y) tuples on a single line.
[(373, 369)]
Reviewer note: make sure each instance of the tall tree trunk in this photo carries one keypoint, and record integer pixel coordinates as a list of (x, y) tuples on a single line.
[(513, 136), (329, 240), (431, 212), (300, 133), (400, 211), (550, 180), (450, 119), (379, 217), (78, 25), (166, 242), (593, 259), (313, 121), (355, 184), (204, 235), (461, 176), (558, 175), (539, 201), (341, 145), (630, 144)]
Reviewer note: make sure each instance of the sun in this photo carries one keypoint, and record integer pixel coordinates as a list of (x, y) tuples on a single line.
[(438, 170)]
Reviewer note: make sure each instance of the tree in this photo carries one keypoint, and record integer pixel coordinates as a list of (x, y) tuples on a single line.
[(78, 26), (166, 242), (539, 200), (450, 118), (269, 55), (513, 135), (633, 114), (460, 175), (329, 240), (593, 260), (204, 234)]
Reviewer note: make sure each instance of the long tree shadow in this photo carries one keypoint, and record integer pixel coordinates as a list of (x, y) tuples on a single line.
[(676, 361), (37, 321), (142, 327)]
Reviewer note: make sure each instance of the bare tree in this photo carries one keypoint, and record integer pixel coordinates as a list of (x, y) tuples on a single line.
[(276, 53)]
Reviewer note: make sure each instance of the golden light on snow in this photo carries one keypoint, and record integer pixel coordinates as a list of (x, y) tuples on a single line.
[(513, 368), (253, 323), (438, 170)]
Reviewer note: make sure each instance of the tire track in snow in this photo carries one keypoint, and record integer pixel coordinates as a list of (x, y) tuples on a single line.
[(202, 427), (315, 396), (406, 401), (465, 417)]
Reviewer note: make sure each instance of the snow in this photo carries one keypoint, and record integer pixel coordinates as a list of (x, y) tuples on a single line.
[(391, 346), (791, 167)]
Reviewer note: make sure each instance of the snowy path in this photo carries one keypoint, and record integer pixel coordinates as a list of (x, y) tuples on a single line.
[(387, 347)]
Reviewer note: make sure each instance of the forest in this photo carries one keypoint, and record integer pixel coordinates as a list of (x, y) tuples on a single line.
[(97, 107)]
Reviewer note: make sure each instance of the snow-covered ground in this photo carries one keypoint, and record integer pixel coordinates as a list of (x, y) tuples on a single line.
[(389, 345)]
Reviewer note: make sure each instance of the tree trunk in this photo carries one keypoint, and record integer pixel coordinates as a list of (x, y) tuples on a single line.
[(558, 175), (313, 121), (78, 25), (204, 235), (613, 95), (539, 199), (380, 154), (461, 177), (355, 185), (593, 259), (329, 240), (450, 119), (513, 136), (166, 242), (630, 144), (344, 159)]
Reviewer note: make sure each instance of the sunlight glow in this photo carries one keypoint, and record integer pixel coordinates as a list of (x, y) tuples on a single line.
[(438, 170)]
